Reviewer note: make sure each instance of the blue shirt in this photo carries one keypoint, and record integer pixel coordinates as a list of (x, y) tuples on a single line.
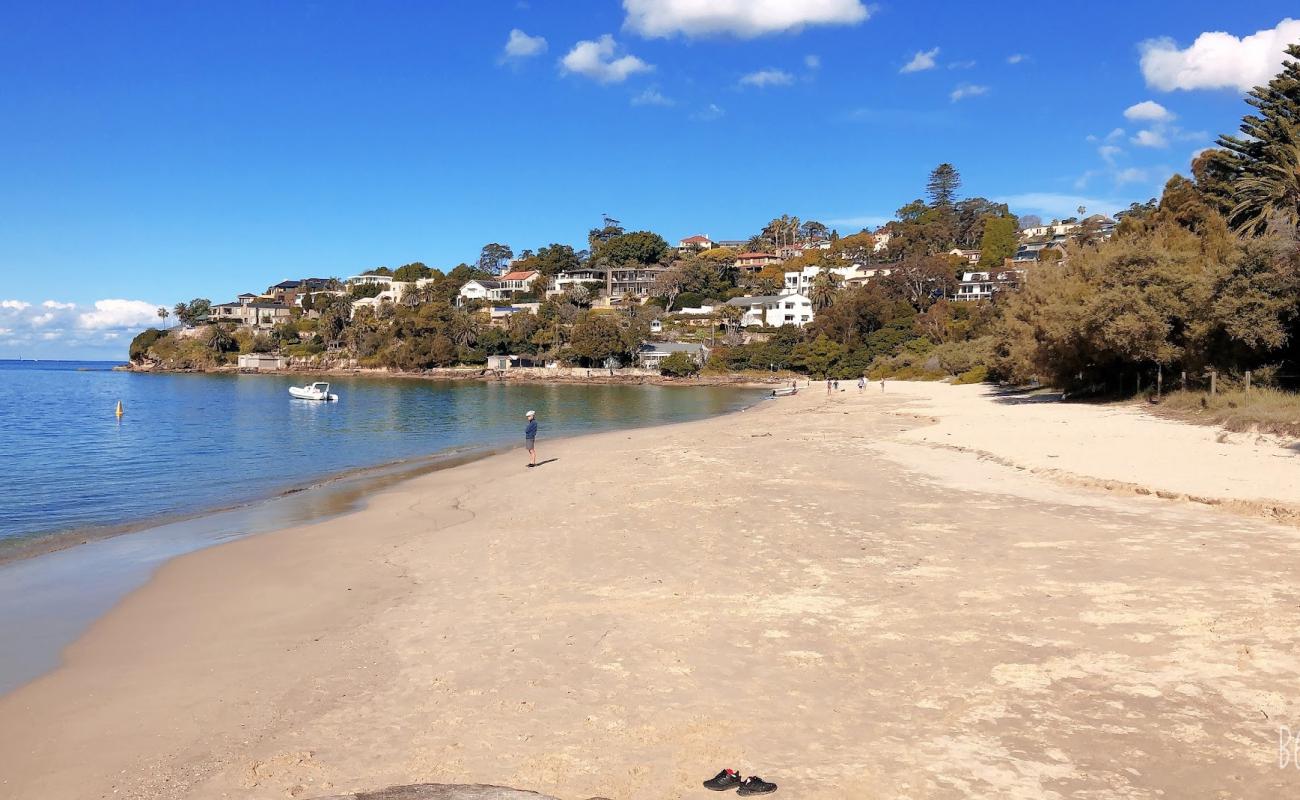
[(531, 431)]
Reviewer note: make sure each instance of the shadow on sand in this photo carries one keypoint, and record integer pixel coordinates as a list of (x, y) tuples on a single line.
[(1021, 396), (543, 463)]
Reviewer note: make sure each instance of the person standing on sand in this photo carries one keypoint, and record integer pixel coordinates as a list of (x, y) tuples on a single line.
[(862, 383), (530, 438), (828, 386)]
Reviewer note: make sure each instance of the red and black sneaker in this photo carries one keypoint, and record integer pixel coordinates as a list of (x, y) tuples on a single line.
[(727, 779), (755, 785)]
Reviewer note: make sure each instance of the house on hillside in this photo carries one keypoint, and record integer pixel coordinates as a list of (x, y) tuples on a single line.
[(751, 263), (250, 313), (479, 289), (370, 280), (969, 256), (774, 310), (518, 281), (590, 277), (652, 354), (697, 242), (984, 285), (637, 280)]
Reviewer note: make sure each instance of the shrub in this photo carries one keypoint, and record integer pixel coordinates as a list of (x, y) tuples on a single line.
[(977, 374), (679, 365), (142, 342)]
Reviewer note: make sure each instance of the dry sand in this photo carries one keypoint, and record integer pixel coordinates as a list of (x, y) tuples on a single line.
[(810, 591)]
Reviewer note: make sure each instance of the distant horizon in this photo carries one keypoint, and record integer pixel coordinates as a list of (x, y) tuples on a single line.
[(159, 155)]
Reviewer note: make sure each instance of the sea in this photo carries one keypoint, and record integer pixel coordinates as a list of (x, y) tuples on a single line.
[(92, 502)]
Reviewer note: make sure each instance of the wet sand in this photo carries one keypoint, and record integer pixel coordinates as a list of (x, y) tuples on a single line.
[(810, 591)]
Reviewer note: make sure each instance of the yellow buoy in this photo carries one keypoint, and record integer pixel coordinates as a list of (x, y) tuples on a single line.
[(119, 408)]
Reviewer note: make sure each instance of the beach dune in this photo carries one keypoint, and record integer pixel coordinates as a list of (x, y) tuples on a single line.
[(813, 591)]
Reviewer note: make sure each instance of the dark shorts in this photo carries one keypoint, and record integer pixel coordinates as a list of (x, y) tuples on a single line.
[(529, 443)]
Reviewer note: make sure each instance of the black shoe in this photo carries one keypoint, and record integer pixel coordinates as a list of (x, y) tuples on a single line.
[(755, 785), (727, 779)]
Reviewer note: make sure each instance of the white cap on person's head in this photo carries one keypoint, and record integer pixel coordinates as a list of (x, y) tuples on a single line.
[(531, 414)]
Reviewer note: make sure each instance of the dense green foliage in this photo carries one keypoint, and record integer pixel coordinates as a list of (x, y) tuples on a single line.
[(679, 365)]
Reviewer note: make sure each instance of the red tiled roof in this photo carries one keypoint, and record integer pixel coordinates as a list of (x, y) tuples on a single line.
[(521, 275), (697, 238)]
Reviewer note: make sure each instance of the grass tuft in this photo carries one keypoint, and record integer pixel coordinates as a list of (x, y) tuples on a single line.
[(1262, 409)]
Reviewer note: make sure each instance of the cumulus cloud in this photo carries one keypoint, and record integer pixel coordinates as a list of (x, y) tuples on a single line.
[(1108, 152), (1218, 60), (1148, 111), (923, 60), (597, 60), (652, 97), (72, 325), (767, 77), (1150, 138), (520, 45), (1015, 58), (967, 90), (744, 18)]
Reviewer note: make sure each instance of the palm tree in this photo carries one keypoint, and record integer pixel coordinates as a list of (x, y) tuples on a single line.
[(822, 293), (1270, 192), (163, 314), (463, 328)]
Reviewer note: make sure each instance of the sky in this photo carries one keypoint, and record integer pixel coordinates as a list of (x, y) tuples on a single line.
[(152, 152)]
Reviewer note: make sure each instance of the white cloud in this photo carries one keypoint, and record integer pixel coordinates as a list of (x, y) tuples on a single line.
[(1115, 133), (1132, 175), (968, 90), (743, 18), (1059, 206), (1148, 111), (14, 305), (1108, 152), (1218, 60), (110, 314), (812, 61), (596, 60), (1150, 138), (58, 305), (923, 60), (709, 113), (963, 64), (652, 97), (767, 77), (521, 45), (1015, 58)]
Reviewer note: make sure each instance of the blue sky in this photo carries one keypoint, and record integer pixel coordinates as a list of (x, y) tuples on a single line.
[(154, 151)]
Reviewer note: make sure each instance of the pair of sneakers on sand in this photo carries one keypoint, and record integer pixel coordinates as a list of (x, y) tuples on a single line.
[(730, 779)]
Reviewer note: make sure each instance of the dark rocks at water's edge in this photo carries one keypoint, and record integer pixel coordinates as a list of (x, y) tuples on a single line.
[(445, 791)]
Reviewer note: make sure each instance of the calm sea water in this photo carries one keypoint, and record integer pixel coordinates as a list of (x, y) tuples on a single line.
[(189, 443)]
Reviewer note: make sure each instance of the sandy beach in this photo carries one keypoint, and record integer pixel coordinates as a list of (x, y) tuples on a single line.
[(930, 592)]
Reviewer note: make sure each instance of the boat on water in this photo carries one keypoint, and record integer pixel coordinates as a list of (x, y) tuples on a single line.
[(785, 392), (316, 391)]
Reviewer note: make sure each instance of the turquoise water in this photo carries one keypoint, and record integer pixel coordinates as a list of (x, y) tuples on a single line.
[(189, 443)]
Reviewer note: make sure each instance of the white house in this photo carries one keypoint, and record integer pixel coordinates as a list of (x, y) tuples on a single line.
[(775, 310), (969, 256), (563, 281), (983, 285), (881, 241), (801, 282), (518, 281), (652, 354), (479, 289), (370, 280), (251, 314)]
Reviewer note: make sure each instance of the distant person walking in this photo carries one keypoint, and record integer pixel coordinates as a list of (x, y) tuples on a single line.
[(828, 386), (530, 438), (882, 384), (862, 383)]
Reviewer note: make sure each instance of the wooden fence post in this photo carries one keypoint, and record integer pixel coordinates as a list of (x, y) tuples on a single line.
[(1160, 380), (1214, 375), (1247, 381), (1184, 380)]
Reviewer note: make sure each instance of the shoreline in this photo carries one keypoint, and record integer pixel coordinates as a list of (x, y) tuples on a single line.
[(912, 617)]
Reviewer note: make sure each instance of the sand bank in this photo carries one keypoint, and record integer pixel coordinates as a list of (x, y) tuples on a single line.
[(805, 590)]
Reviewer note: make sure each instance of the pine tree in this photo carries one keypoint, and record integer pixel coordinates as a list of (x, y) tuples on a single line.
[(943, 185), (1263, 165)]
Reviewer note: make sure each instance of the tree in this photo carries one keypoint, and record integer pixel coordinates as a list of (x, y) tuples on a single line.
[(192, 312), (410, 273), (163, 314), (1263, 162), (1030, 221), (817, 357), (494, 257), (942, 186), (822, 293), (140, 345), (596, 338), (812, 230), (639, 247), (999, 241), (679, 365)]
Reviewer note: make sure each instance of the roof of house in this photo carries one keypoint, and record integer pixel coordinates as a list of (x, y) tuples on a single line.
[(287, 285), (670, 347), (697, 238), (486, 284), (519, 275), (246, 294), (756, 299), (756, 255)]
